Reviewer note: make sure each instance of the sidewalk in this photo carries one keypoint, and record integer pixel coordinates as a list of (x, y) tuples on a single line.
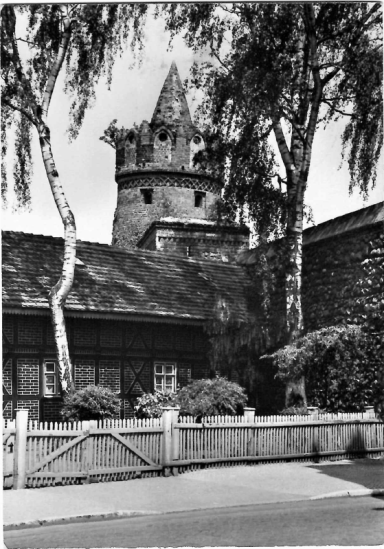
[(208, 488)]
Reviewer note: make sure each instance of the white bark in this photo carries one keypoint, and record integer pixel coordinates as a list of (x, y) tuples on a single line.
[(56, 66), (60, 291)]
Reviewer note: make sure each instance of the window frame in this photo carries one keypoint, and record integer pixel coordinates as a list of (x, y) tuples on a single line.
[(56, 380), (147, 194), (200, 197), (164, 374)]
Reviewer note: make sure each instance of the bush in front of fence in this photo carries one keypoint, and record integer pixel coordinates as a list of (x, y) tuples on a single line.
[(340, 365), (93, 402), (151, 404), (210, 397), (202, 397)]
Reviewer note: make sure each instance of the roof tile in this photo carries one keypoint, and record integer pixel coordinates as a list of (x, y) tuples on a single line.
[(113, 280)]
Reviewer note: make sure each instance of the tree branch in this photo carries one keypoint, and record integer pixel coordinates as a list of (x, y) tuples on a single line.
[(9, 23), (56, 66), (20, 109), (350, 27), (318, 85), (282, 144), (336, 109)]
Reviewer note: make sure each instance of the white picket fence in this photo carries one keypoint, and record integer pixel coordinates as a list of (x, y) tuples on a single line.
[(46, 454), (133, 423)]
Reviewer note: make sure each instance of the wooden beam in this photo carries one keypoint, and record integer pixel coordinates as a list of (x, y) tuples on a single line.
[(134, 449), (56, 453)]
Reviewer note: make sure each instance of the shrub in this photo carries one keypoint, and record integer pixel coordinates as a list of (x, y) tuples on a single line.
[(340, 364), (93, 402), (149, 405), (203, 397), (208, 397)]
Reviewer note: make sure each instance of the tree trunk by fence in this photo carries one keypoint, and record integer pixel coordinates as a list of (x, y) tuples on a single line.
[(19, 464)]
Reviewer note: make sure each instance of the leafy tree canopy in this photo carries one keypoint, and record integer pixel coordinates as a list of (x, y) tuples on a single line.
[(284, 68), (36, 40)]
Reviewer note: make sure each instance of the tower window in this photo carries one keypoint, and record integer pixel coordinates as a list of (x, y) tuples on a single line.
[(163, 137), (147, 195), (199, 199)]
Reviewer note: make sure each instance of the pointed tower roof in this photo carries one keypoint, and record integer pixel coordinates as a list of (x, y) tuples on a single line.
[(172, 108)]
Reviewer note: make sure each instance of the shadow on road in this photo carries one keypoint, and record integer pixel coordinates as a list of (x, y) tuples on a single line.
[(366, 472)]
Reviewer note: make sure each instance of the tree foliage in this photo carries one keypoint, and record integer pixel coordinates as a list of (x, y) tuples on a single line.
[(279, 72), (341, 367), (32, 38), (303, 65), (93, 402), (86, 39)]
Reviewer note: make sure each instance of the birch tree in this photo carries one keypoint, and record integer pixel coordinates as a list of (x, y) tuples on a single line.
[(283, 70), (84, 40)]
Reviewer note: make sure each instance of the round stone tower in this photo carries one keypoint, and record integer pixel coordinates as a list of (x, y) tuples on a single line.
[(154, 171)]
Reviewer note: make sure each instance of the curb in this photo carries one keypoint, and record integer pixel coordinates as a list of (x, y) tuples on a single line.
[(76, 518), (351, 493), (127, 514)]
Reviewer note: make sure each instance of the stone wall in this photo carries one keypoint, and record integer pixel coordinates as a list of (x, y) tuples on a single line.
[(343, 282), (196, 241), (343, 278), (114, 354), (170, 197)]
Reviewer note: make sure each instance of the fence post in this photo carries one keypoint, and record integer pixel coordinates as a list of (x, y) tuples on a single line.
[(313, 411), (169, 446), (249, 415), (19, 463), (175, 440), (369, 412)]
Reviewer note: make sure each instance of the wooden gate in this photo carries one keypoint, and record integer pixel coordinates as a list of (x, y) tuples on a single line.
[(87, 452)]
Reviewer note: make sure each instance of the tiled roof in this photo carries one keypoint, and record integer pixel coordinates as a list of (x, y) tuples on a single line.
[(172, 108), (111, 280)]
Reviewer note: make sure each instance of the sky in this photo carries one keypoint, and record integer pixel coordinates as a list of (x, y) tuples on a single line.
[(87, 165)]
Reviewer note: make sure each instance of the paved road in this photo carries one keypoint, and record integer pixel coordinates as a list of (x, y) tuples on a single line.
[(340, 521)]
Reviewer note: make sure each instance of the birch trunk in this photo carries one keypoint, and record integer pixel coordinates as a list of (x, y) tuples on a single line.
[(60, 291), (295, 390)]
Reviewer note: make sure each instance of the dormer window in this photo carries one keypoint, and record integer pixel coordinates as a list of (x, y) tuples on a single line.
[(199, 199), (147, 195)]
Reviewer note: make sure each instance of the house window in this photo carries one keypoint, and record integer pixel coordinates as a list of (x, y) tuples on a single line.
[(199, 199), (51, 382), (165, 376), (147, 195)]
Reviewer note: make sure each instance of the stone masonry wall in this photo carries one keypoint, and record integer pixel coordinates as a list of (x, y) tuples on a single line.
[(133, 216), (343, 278), (210, 244)]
